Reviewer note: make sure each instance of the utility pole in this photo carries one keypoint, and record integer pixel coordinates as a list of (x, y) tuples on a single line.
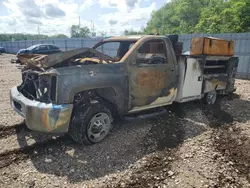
[(38, 29), (162, 25), (92, 28), (79, 17)]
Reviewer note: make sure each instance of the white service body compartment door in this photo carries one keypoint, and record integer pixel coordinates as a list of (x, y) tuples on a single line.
[(193, 79)]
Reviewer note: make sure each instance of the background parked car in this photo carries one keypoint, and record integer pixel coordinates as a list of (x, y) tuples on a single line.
[(2, 50), (37, 49), (40, 49)]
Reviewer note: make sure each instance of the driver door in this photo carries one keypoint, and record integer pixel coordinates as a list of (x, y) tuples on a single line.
[(152, 75)]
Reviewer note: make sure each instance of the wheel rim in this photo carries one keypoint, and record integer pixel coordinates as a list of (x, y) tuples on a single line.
[(99, 126), (211, 98)]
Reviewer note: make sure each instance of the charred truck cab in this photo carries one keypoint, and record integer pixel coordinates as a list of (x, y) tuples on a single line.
[(81, 91)]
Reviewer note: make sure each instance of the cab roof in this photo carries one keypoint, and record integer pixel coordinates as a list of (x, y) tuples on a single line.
[(130, 37)]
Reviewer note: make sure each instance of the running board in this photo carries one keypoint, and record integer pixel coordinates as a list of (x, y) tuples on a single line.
[(145, 116)]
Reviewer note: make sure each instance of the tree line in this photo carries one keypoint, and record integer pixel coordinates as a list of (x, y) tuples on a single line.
[(19, 36), (176, 17), (200, 16), (75, 32)]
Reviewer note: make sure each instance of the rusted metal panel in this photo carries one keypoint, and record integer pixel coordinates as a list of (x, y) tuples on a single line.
[(152, 85), (159, 101), (213, 83), (83, 78), (212, 46), (232, 68), (147, 84), (151, 79)]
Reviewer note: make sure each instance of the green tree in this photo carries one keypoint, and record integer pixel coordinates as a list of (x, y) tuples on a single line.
[(132, 32), (19, 36), (77, 31), (201, 16), (232, 16), (178, 16), (58, 36)]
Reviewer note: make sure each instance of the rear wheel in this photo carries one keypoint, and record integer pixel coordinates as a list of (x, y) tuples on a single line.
[(210, 98), (90, 123)]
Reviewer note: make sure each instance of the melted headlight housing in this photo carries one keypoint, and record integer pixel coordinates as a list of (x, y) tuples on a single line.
[(47, 88)]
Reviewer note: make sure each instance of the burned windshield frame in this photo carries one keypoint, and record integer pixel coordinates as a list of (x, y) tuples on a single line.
[(122, 49)]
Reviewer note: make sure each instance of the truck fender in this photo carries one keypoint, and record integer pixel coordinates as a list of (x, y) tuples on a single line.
[(114, 96)]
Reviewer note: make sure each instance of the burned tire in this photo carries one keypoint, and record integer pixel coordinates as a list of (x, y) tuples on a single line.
[(210, 97), (91, 123)]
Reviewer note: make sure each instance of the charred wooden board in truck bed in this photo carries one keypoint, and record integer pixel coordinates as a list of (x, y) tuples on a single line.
[(47, 61)]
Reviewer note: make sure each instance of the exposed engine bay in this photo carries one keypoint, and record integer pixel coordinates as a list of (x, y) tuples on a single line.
[(37, 85), (63, 59)]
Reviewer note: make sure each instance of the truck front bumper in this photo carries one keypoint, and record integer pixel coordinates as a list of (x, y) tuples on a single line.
[(40, 116)]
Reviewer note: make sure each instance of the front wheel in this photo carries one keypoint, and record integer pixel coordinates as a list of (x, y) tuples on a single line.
[(210, 97), (90, 123)]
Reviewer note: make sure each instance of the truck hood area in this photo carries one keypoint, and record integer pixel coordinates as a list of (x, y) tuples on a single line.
[(64, 59)]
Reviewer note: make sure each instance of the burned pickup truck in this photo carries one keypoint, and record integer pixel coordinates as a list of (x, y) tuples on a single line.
[(83, 90)]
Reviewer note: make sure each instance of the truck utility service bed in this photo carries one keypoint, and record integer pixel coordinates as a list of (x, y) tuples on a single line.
[(201, 74)]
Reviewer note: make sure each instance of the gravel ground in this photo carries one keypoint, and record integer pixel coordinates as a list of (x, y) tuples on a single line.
[(9, 77), (190, 145)]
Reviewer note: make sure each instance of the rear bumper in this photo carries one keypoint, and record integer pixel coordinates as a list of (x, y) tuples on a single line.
[(40, 116)]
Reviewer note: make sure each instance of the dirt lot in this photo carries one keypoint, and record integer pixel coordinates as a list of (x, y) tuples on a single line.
[(191, 145)]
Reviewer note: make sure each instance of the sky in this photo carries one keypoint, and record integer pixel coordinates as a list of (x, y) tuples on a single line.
[(57, 16)]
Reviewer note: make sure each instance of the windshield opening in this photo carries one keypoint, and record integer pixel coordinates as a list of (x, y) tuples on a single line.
[(115, 49)]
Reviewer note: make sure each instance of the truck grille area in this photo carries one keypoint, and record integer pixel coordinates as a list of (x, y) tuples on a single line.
[(39, 88), (53, 88), (27, 88), (17, 105)]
